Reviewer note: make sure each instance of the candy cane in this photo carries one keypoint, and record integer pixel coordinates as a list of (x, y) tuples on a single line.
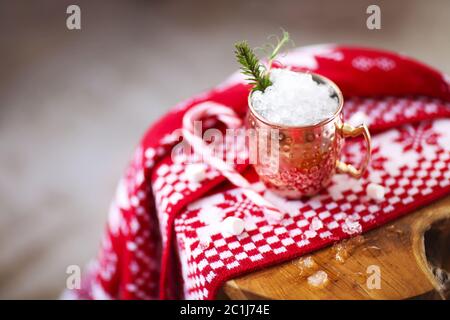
[(232, 121)]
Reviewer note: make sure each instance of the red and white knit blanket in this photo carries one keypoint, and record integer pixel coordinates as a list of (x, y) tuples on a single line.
[(151, 247)]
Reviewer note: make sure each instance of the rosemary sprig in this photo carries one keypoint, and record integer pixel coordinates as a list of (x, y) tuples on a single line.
[(251, 66), (257, 73)]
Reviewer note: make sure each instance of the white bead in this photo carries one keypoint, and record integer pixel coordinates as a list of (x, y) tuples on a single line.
[(375, 191), (195, 172), (358, 118), (233, 226)]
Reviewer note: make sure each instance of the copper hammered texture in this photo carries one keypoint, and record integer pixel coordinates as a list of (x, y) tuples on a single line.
[(306, 158)]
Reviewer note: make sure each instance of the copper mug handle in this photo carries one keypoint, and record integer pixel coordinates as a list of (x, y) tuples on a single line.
[(350, 131)]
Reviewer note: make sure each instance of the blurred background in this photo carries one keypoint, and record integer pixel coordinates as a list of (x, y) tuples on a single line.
[(73, 104)]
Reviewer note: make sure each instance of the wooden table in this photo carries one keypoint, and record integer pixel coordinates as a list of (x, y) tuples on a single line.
[(404, 250)]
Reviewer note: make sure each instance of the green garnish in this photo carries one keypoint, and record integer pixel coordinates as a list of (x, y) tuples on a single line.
[(251, 67), (258, 74), (276, 49)]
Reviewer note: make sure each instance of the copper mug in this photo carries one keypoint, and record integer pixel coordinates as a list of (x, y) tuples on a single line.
[(305, 157)]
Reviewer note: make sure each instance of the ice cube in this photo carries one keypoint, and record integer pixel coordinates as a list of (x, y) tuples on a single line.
[(318, 279)]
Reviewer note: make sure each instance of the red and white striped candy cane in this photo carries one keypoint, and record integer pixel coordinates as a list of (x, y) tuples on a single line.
[(232, 121)]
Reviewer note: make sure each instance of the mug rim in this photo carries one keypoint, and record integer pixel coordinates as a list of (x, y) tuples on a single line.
[(315, 76)]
